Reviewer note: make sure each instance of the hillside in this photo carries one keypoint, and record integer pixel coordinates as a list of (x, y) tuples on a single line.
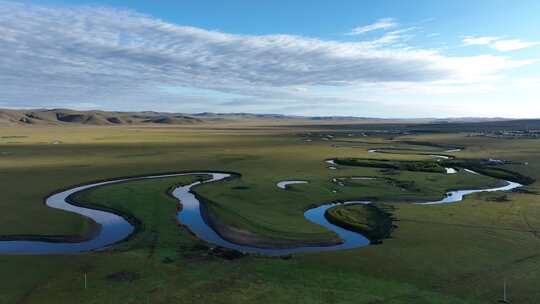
[(73, 117)]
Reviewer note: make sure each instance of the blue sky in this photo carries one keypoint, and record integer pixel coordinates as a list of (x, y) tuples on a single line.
[(376, 58)]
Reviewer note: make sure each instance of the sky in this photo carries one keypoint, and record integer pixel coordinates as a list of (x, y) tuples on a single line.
[(385, 59)]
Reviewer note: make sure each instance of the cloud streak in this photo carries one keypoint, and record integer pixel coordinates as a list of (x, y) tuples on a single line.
[(381, 24), (499, 44)]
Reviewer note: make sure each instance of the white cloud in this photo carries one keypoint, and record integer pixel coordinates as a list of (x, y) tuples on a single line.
[(79, 55), (512, 45), (381, 24), (79, 47), (502, 45)]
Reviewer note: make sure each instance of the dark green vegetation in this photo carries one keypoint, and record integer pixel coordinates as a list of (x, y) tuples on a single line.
[(493, 171), (373, 221), (421, 166), (438, 167), (456, 253)]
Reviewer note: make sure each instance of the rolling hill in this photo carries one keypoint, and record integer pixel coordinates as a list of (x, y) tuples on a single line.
[(73, 117)]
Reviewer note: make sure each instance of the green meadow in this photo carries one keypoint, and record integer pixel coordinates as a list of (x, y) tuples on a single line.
[(456, 253)]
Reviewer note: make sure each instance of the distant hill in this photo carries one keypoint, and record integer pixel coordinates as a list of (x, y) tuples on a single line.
[(243, 115), (97, 117), (73, 117), (232, 116)]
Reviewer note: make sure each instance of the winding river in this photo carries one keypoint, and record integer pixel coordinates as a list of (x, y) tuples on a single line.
[(458, 195), (114, 228)]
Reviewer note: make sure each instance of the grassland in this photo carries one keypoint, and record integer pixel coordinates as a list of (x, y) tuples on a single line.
[(457, 253)]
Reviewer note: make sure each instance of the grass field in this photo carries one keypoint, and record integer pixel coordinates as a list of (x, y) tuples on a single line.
[(458, 253)]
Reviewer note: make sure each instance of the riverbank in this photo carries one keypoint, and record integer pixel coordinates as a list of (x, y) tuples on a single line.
[(248, 238)]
